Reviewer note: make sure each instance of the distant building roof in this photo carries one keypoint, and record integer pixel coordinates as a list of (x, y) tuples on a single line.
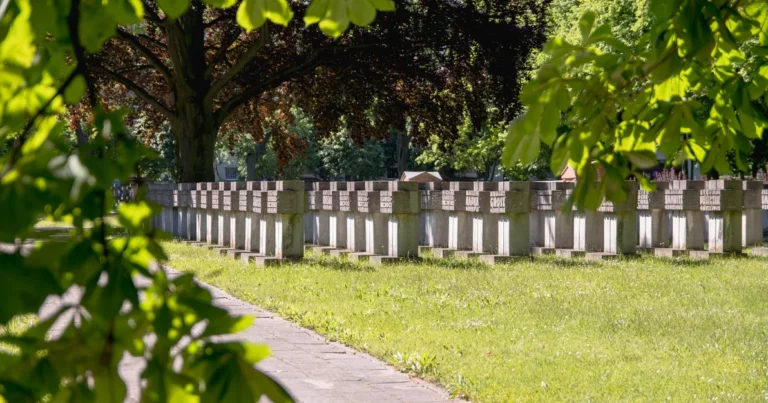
[(568, 174), (421, 176)]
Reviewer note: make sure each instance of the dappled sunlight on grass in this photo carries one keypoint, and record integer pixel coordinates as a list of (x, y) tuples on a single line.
[(547, 329)]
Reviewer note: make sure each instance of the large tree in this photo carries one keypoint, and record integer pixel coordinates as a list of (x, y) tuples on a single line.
[(429, 61)]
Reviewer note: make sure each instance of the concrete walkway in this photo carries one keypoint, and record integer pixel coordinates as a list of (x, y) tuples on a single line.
[(311, 368)]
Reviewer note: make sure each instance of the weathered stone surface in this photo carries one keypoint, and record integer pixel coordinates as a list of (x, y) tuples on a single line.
[(653, 200), (348, 201), (399, 202), (431, 199), (284, 202), (722, 200), (509, 202), (669, 252), (478, 202), (330, 200), (368, 202), (459, 186), (570, 253), (227, 200), (454, 200), (245, 200), (551, 185), (314, 200), (548, 200)]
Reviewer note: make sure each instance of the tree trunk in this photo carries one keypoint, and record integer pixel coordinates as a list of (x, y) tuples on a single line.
[(252, 159), (195, 126), (403, 149), (196, 138)]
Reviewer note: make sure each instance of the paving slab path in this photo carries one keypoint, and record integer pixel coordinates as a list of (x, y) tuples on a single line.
[(310, 367)]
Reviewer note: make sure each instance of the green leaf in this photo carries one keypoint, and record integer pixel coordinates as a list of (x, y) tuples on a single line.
[(253, 13), (759, 83), (109, 387), (225, 324), (664, 9), (384, 5), (75, 90), (174, 8), (336, 20), (316, 11), (669, 138), (135, 216), (255, 353), (361, 12), (523, 141), (673, 88), (563, 98), (559, 155), (586, 22), (126, 12), (25, 289), (643, 159), (221, 3), (747, 122)]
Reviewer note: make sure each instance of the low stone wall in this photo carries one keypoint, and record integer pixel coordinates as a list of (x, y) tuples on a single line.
[(384, 221)]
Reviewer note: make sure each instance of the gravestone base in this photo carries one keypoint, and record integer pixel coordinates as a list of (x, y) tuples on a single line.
[(601, 256), (467, 254), (321, 250), (443, 253), (570, 253), (235, 253), (340, 253), (760, 252), (379, 260), (222, 251), (248, 257), (359, 256), (669, 252), (705, 254), (264, 261), (700, 254), (499, 259), (541, 251)]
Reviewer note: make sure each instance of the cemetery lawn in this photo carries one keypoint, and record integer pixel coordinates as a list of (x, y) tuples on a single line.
[(546, 330)]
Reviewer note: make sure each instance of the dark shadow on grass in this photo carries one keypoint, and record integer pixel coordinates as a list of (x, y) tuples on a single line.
[(336, 264), (457, 264)]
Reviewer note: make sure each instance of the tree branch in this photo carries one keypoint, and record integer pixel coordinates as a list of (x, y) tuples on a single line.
[(241, 98), (151, 15), (242, 61), (144, 51), (140, 92), (134, 69), (217, 20), (225, 110), (220, 52)]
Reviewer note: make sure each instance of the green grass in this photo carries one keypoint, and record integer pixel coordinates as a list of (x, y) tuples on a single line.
[(45, 223), (546, 330)]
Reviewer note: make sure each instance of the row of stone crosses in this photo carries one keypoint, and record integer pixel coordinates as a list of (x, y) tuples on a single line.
[(267, 222)]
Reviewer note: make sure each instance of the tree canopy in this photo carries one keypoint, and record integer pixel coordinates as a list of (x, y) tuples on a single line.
[(430, 61)]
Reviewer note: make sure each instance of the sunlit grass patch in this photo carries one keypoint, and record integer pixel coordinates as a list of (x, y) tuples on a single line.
[(550, 329)]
